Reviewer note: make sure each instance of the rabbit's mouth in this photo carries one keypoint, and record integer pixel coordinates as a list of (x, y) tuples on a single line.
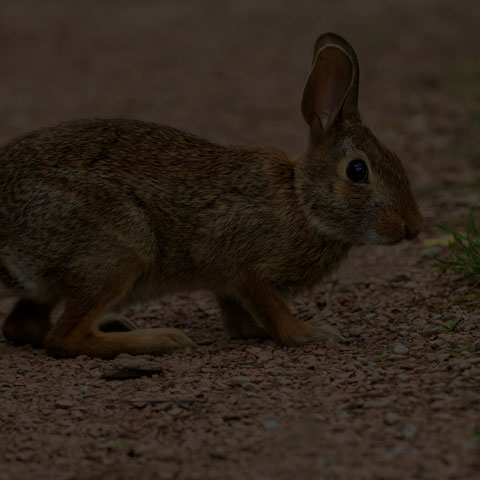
[(371, 237), (386, 233), (374, 238), (391, 229)]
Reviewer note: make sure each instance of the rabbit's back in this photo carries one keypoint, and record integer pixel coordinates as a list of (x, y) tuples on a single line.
[(100, 190)]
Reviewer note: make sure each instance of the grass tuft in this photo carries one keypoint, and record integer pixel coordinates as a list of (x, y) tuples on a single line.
[(451, 326), (465, 249)]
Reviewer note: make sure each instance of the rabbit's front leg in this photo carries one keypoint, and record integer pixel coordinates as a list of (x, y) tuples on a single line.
[(237, 322), (269, 308)]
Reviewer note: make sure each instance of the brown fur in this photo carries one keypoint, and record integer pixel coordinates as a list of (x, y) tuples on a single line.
[(100, 213)]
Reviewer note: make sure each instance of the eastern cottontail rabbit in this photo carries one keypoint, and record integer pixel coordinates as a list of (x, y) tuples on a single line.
[(98, 213)]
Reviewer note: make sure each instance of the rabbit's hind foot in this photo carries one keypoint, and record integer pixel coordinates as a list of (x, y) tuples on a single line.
[(78, 330), (152, 341), (76, 333), (28, 323)]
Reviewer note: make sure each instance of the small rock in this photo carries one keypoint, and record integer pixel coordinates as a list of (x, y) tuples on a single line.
[(410, 431), (370, 315), (391, 418), (270, 424), (379, 402), (400, 277), (242, 378), (218, 453), (249, 386), (64, 404), (400, 349), (122, 369), (231, 417)]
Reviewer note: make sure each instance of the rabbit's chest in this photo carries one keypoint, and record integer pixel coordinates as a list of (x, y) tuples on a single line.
[(309, 267)]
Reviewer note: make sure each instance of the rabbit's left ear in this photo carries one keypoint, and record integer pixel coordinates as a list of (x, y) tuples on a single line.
[(331, 90)]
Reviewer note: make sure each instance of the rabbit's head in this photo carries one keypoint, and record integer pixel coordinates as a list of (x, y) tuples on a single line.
[(351, 187)]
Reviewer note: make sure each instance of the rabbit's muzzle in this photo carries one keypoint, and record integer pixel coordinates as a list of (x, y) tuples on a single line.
[(413, 228), (392, 228)]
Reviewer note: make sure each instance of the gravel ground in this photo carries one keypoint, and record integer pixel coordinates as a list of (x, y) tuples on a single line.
[(400, 399)]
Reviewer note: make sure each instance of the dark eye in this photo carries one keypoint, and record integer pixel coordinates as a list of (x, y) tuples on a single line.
[(357, 171)]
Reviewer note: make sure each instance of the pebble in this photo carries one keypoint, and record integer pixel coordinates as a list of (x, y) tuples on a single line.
[(410, 431), (270, 424), (127, 368), (400, 277), (391, 418), (64, 404), (400, 349), (218, 453)]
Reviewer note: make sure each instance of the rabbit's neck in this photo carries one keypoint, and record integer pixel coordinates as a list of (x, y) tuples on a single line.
[(313, 261), (305, 254)]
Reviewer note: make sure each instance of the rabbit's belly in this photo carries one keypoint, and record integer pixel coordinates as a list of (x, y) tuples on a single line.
[(9, 285), (15, 279)]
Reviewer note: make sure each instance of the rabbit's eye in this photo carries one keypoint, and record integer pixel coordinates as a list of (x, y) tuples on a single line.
[(357, 171)]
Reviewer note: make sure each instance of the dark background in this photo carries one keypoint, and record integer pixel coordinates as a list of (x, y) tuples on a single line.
[(233, 71)]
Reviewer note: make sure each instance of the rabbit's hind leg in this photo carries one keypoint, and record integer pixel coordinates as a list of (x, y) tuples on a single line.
[(237, 322), (77, 330), (28, 323)]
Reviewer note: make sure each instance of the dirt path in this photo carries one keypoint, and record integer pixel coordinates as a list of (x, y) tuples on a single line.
[(402, 398)]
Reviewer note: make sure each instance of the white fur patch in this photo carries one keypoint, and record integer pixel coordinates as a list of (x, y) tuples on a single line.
[(20, 272)]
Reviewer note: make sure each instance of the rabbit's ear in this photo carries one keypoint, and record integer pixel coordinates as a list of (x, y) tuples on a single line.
[(332, 86)]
